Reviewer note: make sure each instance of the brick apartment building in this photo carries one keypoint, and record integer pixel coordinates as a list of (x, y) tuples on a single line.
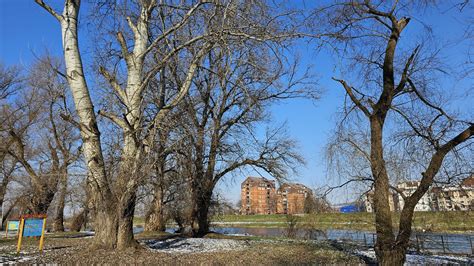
[(259, 196), (291, 198)]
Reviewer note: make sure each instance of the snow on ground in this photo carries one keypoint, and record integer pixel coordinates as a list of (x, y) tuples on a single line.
[(238, 234), (195, 245), (8, 257), (15, 259), (424, 259)]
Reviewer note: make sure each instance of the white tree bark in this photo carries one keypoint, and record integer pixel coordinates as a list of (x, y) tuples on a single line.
[(105, 223)]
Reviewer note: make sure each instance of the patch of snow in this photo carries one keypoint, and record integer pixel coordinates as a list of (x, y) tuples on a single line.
[(194, 245), (246, 234), (366, 253), (423, 259), (89, 232), (13, 258)]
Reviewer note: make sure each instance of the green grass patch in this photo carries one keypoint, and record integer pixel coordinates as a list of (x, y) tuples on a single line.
[(140, 221), (152, 235), (428, 221)]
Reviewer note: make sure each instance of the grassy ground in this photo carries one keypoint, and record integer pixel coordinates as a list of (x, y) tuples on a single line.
[(138, 221), (429, 221), (258, 251)]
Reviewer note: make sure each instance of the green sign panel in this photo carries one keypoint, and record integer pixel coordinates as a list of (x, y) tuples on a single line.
[(13, 225)]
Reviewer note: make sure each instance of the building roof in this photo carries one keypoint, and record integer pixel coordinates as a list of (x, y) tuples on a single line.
[(293, 187), (253, 179)]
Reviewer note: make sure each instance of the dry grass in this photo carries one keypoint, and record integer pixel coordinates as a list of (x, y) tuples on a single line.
[(258, 252)]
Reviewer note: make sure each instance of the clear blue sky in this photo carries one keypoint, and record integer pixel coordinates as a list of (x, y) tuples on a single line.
[(26, 30)]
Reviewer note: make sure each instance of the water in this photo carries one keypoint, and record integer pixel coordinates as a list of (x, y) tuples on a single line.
[(137, 230), (431, 242), (425, 242), (300, 233)]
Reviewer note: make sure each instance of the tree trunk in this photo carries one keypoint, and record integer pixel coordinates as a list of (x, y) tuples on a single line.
[(202, 195), (41, 199), (383, 216), (394, 256), (2, 196), (126, 212), (155, 219), (128, 181), (105, 227), (105, 223), (79, 221), (3, 214), (58, 222)]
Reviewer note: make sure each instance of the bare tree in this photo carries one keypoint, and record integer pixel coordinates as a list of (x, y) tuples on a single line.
[(9, 79), (167, 184), (64, 144), (7, 168), (146, 44), (227, 102), (37, 139), (78, 202), (395, 98), (22, 116), (9, 82), (105, 226), (316, 202)]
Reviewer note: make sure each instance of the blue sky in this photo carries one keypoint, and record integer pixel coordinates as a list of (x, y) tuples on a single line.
[(26, 30)]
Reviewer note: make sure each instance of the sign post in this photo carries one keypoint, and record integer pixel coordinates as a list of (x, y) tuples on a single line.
[(42, 235), (20, 236), (32, 226)]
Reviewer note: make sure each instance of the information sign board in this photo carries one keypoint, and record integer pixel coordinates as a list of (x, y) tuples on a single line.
[(13, 225), (33, 227)]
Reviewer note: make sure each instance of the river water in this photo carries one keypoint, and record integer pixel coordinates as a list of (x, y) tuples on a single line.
[(424, 242)]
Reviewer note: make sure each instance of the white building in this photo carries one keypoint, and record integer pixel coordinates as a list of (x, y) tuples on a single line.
[(453, 198), (408, 187), (443, 198)]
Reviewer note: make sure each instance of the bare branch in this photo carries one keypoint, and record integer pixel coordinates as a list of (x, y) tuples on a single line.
[(114, 84), (68, 118), (175, 27), (425, 101), (404, 78), (435, 164), (354, 99), (49, 9), (120, 122), (124, 47), (183, 90)]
